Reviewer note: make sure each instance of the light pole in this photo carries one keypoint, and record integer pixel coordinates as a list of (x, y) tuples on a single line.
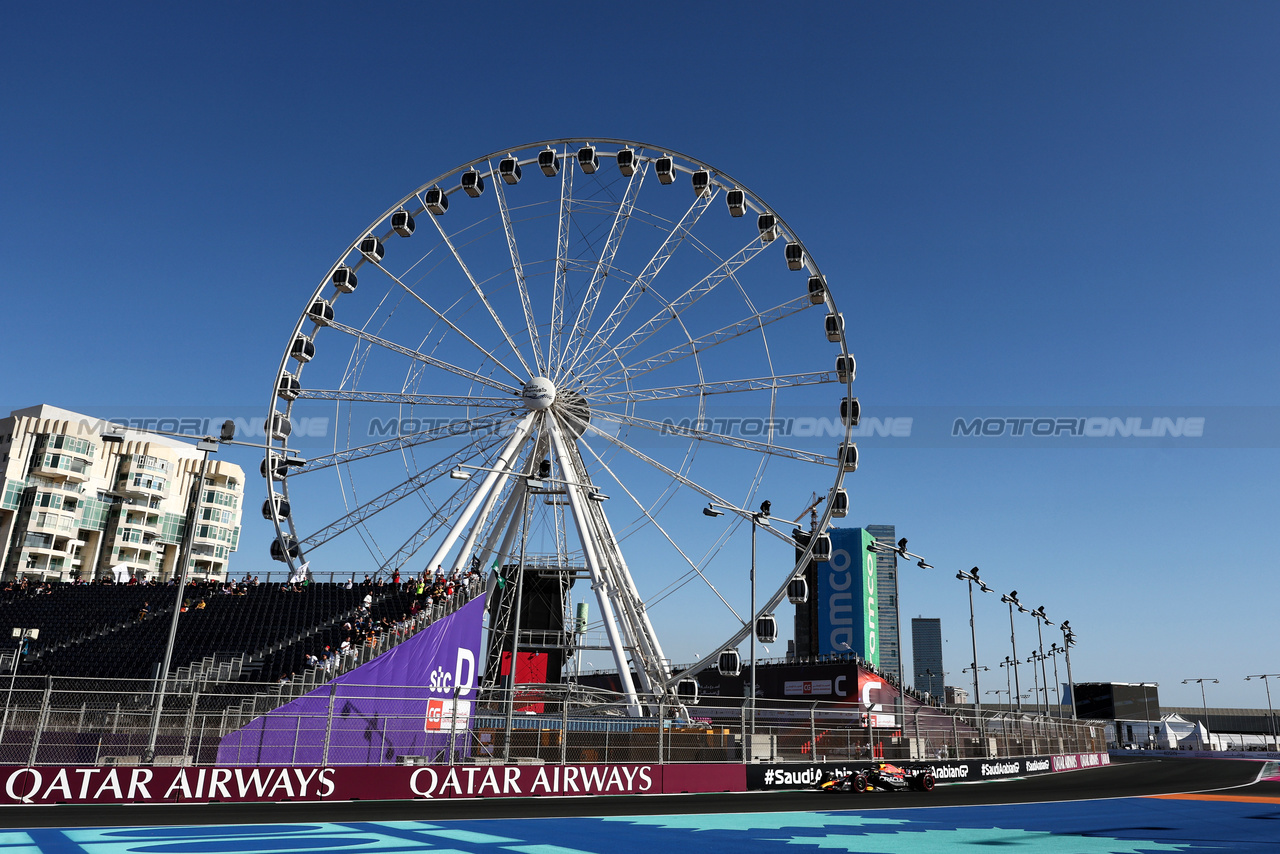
[(971, 576), (758, 518), (1011, 599), (205, 445), (1039, 614), (1054, 649), (1008, 664), (1068, 641), (528, 486), (25, 636), (1035, 679), (1204, 704), (1271, 715)]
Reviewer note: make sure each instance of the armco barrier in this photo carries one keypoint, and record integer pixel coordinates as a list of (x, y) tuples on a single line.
[(51, 784), (797, 775)]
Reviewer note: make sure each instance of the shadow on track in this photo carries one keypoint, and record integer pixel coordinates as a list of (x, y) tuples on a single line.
[(1123, 779)]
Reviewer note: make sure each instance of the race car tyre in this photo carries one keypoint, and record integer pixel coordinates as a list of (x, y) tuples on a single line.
[(925, 782), (860, 782)]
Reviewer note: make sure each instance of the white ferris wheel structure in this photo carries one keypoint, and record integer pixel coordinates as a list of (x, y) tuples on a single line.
[(569, 347)]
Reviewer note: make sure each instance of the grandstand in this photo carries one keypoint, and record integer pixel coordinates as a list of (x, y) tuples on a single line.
[(95, 630)]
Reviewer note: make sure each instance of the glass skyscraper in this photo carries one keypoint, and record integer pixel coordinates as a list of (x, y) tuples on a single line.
[(926, 655)]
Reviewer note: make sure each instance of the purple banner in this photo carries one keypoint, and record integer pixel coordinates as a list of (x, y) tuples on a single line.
[(406, 702)]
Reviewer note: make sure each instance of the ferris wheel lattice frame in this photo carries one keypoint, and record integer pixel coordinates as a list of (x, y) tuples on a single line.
[(535, 376)]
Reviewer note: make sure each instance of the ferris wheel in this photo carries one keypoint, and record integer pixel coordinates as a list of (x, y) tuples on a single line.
[(567, 349)]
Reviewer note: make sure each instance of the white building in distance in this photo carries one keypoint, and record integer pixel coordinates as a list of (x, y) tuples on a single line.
[(73, 504)]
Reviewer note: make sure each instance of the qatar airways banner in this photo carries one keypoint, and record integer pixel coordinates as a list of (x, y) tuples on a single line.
[(406, 702), (45, 784)]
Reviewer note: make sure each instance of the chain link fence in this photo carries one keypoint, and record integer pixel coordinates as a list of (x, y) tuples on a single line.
[(65, 721)]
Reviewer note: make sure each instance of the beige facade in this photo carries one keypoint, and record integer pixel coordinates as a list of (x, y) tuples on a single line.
[(75, 504)]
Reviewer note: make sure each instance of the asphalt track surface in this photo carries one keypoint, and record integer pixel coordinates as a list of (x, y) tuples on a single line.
[(1120, 780)]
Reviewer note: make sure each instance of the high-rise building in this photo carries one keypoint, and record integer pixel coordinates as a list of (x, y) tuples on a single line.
[(887, 599), (76, 504), (926, 655)]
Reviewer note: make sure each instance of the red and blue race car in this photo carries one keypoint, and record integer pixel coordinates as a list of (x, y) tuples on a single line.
[(884, 776)]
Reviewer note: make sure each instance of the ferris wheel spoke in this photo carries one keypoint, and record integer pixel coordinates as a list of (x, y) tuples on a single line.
[(675, 307), (451, 428), (427, 530), (673, 428), (626, 373), (404, 397), (693, 567), (412, 485), (604, 265), (429, 307), (530, 320), (675, 475), (562, 254), (484, 299), (640, 286), (723, 387), (419, 356)]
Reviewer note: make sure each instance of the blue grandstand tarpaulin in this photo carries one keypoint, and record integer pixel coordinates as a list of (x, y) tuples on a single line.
[(400, 704)]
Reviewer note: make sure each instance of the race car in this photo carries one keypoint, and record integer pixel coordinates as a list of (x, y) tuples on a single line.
[(881, 775)]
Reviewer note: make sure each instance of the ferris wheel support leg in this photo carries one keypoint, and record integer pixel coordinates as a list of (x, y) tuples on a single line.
[(641, 613), (504, 460), (506, 523), (494, 494), (651, 667), (508, 513), (599, 580)]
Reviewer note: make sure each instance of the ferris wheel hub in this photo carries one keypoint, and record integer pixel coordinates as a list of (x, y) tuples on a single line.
[(538, 394)]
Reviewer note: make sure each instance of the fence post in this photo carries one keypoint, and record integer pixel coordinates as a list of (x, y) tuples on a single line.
[(564, 728), (813, 732), (453, 724), (191, 722), (328, 727), (661, 727), (40, 721), (955, 735)]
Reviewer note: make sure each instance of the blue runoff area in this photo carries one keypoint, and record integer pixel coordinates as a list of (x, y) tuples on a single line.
[(1119, 826)]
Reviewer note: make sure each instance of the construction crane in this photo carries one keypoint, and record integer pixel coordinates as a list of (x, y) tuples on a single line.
[(812, 510)]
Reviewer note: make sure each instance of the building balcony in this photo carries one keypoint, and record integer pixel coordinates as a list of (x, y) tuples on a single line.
[(143, 486), (52, 523), (63, 467)]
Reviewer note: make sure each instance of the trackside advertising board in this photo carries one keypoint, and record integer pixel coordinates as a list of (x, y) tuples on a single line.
[(789, 775), (51, 784), (848, 603)]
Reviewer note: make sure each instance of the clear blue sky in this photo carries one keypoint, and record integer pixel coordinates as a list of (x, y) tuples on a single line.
[(1072, 205)]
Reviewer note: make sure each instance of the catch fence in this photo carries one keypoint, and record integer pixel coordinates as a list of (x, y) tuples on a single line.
[(69, 721)]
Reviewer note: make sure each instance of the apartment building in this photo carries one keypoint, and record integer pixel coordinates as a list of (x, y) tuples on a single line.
[(81, 498)]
